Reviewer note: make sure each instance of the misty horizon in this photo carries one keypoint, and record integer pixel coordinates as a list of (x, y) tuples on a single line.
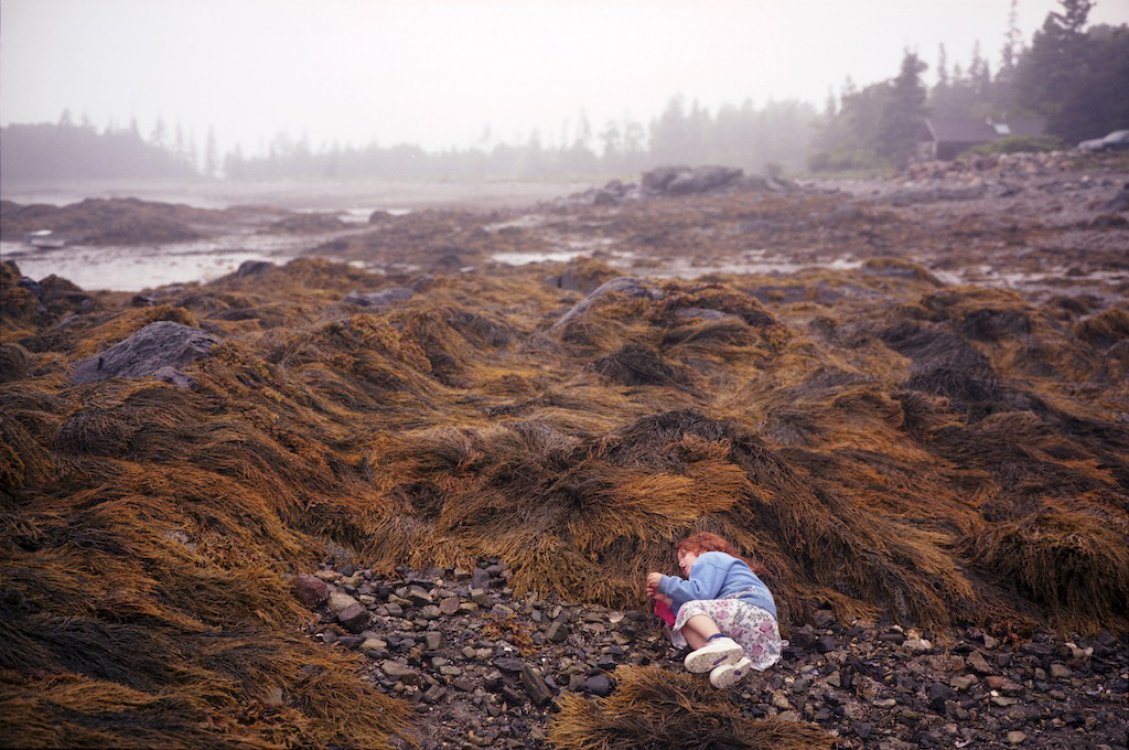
[(459, 76)]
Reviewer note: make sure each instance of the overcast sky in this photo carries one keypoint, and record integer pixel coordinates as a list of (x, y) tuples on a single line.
[(436, 73)]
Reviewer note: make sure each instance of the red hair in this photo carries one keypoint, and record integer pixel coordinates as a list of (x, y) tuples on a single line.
[(705, 541)]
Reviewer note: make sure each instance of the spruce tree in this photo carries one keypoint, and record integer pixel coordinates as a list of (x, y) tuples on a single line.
[(903, 113)]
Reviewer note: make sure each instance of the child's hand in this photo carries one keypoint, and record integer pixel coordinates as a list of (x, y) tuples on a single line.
[(653, 581)]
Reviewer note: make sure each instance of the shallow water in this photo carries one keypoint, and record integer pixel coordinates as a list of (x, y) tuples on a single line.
[(138, 267)]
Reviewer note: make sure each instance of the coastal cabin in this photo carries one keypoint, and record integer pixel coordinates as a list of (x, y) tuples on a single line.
[(944, 138)]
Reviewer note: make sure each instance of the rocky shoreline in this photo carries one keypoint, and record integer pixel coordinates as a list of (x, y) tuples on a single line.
[(486, 667)]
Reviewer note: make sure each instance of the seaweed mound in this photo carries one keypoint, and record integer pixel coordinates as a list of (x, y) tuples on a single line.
[(653, 709)]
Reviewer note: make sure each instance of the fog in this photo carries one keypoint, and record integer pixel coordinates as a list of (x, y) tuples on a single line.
[(458, 74)]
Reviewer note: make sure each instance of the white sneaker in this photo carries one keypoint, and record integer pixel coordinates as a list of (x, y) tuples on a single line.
[(717, 652), (728, 675)]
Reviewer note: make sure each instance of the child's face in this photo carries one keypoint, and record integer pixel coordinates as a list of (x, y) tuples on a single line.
[(686, 561)]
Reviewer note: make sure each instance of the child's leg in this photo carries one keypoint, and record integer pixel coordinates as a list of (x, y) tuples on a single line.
[(698, 630)]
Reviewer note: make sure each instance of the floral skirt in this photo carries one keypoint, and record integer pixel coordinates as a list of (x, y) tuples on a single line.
[(752, 627)]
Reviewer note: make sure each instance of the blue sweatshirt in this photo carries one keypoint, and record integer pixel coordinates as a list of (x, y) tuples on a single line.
[(716, 575)]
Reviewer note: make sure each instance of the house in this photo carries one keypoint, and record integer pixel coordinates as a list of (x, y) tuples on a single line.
[(944, 138)]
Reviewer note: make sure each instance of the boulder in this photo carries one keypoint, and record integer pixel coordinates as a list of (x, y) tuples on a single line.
[(689, 180), (252, 268), (158, 350), (310, 590)]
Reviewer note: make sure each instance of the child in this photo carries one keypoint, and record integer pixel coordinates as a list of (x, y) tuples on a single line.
[(722, 610)]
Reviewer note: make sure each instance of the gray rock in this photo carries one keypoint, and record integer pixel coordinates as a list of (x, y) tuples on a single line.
[(398, 671), (354, 618), (680, 180), (557, 632), (598, 685), (479, 578), (158, 350), (978, 663), (449, 606), (253, 268), (385, 298), (482, 598), (433, 640)]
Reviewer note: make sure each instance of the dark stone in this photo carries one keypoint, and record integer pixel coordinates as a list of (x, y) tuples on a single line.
[(252, 268), (598, 685), (825, 644), (512, 696), (861, 728), (557, 632), (354, 618), (32, 286), (158, 350), (535, 686), (509, 664), (479, 579), (938, 693), (605, 198), (310, 590), (418, 596)]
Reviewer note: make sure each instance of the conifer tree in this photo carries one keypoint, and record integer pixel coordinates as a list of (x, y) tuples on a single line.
[(903, 113)]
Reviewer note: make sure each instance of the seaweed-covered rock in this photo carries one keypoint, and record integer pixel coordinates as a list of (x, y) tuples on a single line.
[(635, 364), (158, 350), (15, 362), (385, 298), (253, 268), (625, 285)]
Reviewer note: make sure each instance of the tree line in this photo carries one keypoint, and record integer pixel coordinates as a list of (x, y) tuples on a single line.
[(1072, 77)]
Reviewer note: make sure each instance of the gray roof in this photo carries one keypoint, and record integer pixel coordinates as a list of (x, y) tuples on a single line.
[(965, 130)]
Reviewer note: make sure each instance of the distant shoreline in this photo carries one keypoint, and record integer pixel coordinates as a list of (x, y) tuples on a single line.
[(325, 195)]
